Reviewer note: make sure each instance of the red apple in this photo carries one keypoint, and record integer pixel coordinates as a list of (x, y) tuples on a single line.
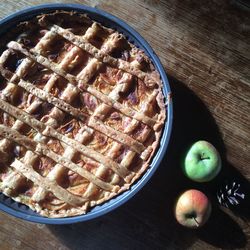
[(192, 209)]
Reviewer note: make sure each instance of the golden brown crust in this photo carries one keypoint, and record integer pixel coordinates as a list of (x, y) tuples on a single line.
[(81, 113)]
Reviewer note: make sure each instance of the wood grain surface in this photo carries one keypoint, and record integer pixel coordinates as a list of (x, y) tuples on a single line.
[(204, 47)]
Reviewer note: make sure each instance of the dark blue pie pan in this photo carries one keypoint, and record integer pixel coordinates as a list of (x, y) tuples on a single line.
[(21, 211)]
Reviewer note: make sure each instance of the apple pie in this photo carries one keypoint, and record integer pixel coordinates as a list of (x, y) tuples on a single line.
[(81, 113)]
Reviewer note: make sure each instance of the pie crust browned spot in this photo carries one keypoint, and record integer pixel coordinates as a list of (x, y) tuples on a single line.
[(81, 113)]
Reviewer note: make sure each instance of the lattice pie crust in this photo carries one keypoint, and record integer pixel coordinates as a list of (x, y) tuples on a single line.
[(81, 113)]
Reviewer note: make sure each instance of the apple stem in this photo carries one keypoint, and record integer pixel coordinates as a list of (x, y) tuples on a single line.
[(196, 222)]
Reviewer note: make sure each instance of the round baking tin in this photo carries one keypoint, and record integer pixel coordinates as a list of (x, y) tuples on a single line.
[(21, 211)]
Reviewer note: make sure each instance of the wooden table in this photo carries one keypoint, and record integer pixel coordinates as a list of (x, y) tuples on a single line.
[(205, 50)]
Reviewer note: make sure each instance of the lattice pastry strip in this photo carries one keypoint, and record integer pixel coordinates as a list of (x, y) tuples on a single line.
[(96, 124), (58, 103), (58, 170), (82, 84), (55, 168), (42, 149), (116, 63), (81, 74), (28, 171), (12, 185), (86, 74), (122, 86), (22, 69), (69, 91), (102, 110), (18, 114), (103, 49), (47, 130)]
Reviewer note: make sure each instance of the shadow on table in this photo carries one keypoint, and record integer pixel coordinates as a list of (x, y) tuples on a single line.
[(147, 220)]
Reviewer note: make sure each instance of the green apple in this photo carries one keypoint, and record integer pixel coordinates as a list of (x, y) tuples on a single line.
[(192, 209), (202, 162)]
